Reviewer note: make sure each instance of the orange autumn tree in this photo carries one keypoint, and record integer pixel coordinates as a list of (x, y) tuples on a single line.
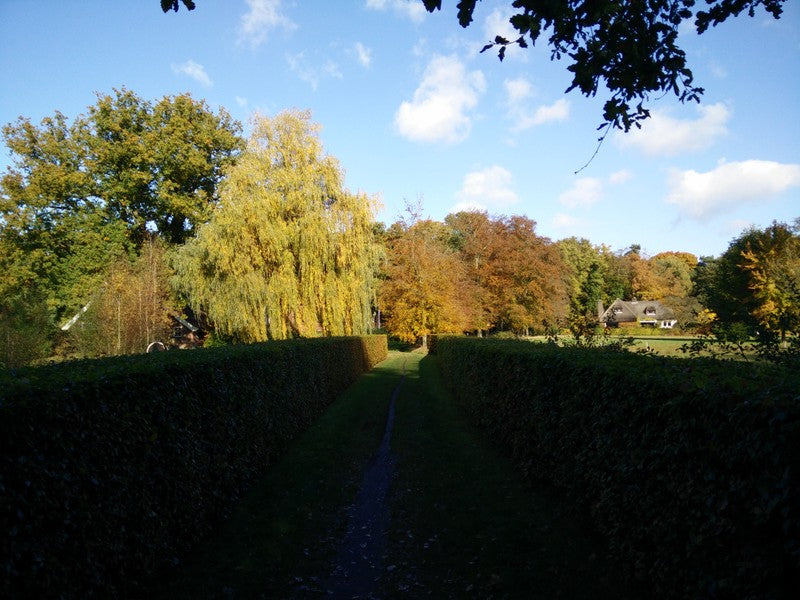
[(424, 290), (518, 276)]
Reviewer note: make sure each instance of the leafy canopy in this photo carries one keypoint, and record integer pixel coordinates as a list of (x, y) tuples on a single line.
[(167, 5), (289, 252), (80, 194), (425, 289), (518, 274), (628, 47), (470, 273), (756, 282)]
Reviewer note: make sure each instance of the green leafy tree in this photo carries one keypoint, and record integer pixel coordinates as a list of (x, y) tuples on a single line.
[(583, 261), (130, 308), (756, 282), (673, 272), (612, 271), (627, 47), (586, 282), (79, 195), (24, 321), (289, 251), (158, 165), (618, 273)]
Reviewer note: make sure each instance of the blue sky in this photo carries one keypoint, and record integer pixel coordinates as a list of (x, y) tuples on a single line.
[(414, 112)]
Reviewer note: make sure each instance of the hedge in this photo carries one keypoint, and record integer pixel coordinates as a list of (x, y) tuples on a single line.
[(112, 469), (689, 469)]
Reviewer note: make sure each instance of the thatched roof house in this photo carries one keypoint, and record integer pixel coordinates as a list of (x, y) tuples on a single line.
[(643, 313)]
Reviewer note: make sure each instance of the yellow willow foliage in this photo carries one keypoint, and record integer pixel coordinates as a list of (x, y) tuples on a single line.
[(288, 251)]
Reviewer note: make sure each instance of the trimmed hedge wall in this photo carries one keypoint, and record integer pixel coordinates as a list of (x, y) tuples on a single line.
[(689, 469), (112, 469)]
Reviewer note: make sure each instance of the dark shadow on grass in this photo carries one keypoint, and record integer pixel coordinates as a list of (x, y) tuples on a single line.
[(465, 525), (282, 539), (360, 557), (400, 346)]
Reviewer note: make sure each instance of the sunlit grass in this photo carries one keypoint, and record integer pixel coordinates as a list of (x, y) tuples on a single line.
[(661, 345)]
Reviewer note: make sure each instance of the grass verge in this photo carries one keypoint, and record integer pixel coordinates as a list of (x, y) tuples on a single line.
[(280, 540), (464, 525)]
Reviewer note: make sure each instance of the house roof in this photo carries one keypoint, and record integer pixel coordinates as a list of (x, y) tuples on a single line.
[(623, 311)]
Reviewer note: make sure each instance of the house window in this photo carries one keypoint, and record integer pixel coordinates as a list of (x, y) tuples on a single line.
[(650, 311), (617, 311)]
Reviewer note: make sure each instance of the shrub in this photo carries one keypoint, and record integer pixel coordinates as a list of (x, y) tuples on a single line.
[(113, 468), (689, 469), (24, 328)]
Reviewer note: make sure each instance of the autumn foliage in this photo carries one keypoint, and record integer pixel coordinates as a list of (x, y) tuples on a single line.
[(259, 239), (471, 273)]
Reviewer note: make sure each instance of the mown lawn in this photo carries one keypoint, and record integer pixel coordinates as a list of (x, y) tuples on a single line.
[(283, 535), (666, 345), (462, 525)]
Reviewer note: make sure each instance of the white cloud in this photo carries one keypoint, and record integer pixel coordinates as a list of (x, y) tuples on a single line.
[(661, 135), (717, 70), (438, 112), (241, 101), (263, 16), (562, 221), (332, 69), (619, 177), (312, 74), (498, 23), (584, 192), (194, 70), (702, 195), (735, 227), (299, 64), (587, 191), (420, 48), (489, 188), (410, 9), (363, 54), (518, 93), (557, 111)]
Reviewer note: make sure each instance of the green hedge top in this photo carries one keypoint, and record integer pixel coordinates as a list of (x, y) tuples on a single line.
[(689, 468), (29, 381), (110, 469)]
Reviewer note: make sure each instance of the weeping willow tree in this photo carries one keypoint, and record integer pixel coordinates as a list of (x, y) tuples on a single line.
[(288, 251)]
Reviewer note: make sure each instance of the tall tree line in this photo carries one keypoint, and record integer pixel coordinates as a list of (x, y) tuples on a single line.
[(137, 210), (480, 273)]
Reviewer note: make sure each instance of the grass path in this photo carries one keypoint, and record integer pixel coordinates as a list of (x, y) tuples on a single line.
[(458, 523)]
